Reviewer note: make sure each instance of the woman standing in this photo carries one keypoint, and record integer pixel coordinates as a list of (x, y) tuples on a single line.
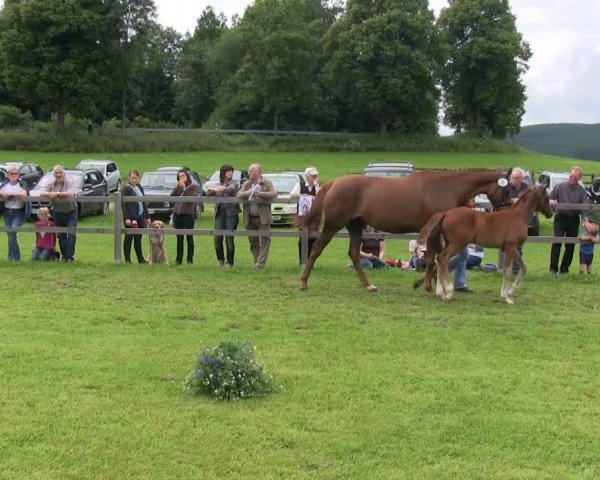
[(226, 214), (184, 213), (12, 191), (135, 215)]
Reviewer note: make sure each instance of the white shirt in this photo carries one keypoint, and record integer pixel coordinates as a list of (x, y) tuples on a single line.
[(296, 190), (13, 190)]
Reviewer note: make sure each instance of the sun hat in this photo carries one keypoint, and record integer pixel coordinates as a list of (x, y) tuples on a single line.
[(311, 171)]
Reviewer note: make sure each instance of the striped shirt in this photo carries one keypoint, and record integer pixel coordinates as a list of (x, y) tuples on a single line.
[(565, 193)]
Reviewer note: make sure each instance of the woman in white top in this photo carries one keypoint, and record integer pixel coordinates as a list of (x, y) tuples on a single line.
[(12, 191)]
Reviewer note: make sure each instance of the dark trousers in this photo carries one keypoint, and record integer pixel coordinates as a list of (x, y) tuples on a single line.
[(137, 243), (225, 222), (184, 220), (564, 226), (66, 241), (311, 242)]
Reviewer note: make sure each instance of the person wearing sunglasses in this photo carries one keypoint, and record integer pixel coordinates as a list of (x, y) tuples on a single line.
[(12, 192)]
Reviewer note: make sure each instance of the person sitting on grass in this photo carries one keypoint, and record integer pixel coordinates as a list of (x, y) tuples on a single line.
[(372, 251)]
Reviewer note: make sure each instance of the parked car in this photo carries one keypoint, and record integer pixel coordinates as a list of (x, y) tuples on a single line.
[(239, 176), (30, 173), (161, 182), (108, 168), (389, 169), (284, 213), (88, 183)]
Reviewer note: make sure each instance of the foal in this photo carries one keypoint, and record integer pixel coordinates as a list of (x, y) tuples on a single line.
[(447, 233)]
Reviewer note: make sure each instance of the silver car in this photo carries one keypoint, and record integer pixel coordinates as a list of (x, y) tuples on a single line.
[(108, 168), (284, 182)]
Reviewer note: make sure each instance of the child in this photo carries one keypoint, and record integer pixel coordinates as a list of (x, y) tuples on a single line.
[(589, 236), (417, 256), (44, 241)]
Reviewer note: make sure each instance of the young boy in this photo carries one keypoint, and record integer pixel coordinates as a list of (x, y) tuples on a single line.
[(45, 242), (589, 236)]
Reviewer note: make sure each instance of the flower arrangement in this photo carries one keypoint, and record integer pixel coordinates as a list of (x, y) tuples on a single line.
[(229, 371)]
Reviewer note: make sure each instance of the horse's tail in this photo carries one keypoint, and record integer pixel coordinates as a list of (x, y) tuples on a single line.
[(432, 227), (313, 220)]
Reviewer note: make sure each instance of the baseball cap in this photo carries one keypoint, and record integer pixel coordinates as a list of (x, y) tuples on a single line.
[(311, 171)]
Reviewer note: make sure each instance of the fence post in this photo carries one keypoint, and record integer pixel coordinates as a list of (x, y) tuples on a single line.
[(303, 245), (117, 227)]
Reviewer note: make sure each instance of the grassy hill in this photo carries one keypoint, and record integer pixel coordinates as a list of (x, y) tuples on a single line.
[(575, 140)]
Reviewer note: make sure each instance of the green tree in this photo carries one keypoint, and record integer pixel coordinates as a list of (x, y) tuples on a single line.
[(194, 88), (278, 78), (382, 66), (52, 53), (484, 59)]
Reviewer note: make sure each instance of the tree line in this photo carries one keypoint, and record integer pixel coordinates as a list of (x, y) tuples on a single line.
[(366, 66)]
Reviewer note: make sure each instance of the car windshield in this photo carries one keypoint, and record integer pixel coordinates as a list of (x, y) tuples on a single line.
[(73, 177), (283, 184), (158, 180)]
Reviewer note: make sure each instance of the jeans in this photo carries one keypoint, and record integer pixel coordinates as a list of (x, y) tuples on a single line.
[(14, 218), (66, 241), (458, 265), (368, 263), (184, 220), (41, 254), (564, 226), (225, 222)]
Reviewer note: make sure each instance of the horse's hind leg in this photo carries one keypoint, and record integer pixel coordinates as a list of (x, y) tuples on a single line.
[(355, 228), (322, 241)]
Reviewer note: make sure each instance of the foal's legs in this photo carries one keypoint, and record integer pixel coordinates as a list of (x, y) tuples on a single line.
[(355, 228), (520, 275), (510, 252), (322, 241)]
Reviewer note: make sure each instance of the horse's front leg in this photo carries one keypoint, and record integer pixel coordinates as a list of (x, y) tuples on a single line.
[(505, 293)]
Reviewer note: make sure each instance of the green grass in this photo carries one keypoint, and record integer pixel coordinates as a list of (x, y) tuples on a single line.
[(393, 385)]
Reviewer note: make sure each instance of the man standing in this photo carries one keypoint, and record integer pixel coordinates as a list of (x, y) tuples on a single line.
[(64, 210), (566, 222), (303, 190), (516, 188), (257, 216)]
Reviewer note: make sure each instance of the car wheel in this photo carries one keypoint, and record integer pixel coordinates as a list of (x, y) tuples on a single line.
[(104, 208)]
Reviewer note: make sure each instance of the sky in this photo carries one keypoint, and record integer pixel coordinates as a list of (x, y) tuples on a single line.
[(563, 80)]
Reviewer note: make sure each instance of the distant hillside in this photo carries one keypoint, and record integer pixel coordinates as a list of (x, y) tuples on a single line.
[(575, 140)]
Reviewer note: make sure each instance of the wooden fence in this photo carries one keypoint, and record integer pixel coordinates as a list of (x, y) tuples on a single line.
[(118, 230)]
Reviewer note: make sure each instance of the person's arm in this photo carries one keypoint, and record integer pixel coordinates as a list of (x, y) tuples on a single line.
[(245, 190), (295, 193), (269, 191), (381, 249), (69, 192)]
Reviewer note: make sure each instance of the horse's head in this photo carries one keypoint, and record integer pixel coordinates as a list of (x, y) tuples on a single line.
[(497, 191), (542, 200)]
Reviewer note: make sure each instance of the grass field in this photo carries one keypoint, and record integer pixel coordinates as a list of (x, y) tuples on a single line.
[(393, 385)]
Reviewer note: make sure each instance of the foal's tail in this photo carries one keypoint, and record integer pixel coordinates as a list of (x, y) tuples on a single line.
[(313, 220), (432, 235)]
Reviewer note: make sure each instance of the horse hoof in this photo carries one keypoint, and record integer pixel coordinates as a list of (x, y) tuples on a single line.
[(371, 288), (509, 300)]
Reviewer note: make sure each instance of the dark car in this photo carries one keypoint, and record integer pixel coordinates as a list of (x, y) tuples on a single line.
[(161, 182), (30, 173), (239, 176), (88, 183)]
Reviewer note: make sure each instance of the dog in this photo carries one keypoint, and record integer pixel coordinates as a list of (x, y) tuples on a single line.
[(158, 254)]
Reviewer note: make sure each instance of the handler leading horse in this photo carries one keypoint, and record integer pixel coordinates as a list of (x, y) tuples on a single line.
[(399, 205), (447, 233)]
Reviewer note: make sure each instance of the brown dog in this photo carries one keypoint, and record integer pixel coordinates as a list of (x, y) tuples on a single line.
[(157, 244)]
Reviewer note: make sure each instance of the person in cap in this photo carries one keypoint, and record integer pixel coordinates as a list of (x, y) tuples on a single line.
[(305, 191)]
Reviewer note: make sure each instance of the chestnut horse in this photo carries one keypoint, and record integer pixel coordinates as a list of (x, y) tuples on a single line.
[(447, 233), (394, 205)]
